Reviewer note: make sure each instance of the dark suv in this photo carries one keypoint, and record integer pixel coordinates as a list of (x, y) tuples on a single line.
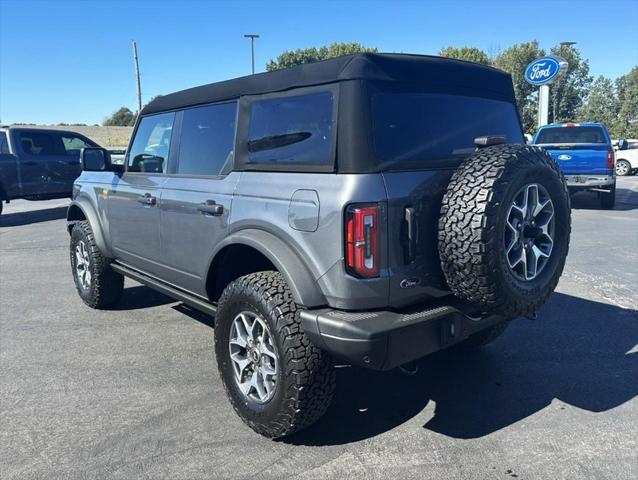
[(39, 164), (368, 208)]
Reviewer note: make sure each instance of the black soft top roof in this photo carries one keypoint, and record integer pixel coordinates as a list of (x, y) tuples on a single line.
[(454, 76)]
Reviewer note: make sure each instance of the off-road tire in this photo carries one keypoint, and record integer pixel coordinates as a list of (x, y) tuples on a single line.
[(484, 337), (306, 378), (473, 221), (106, 285), (608, 200)]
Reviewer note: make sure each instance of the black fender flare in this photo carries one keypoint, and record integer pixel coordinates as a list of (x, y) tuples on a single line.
[(302, 284), (88, 210)]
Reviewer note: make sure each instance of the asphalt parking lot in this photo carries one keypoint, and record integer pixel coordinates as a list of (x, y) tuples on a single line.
[(134, 393)]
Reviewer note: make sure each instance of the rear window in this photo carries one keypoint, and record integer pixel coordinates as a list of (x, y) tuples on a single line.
[(291, 130), (571, 135), (421, 130)]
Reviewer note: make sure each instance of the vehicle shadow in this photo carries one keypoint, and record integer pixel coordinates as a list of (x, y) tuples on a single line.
[(578, 352), (626, 199), (195, 314), (140, 296), (34, 216)]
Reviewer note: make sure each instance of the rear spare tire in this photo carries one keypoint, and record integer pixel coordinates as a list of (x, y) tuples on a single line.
[(504, 229)]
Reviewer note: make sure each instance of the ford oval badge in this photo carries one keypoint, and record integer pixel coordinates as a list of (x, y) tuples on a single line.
[(564, 157), (544, 70)]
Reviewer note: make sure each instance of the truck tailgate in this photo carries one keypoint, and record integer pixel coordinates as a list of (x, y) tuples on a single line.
[(580, 158)]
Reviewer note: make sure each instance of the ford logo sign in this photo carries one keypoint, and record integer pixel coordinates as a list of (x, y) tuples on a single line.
[(544, 70), (564, 157)]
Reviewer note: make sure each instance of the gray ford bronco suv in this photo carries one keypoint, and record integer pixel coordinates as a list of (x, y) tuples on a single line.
[(369, 209)]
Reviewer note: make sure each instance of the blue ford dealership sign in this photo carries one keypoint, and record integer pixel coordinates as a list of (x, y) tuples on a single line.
[(544, 70)]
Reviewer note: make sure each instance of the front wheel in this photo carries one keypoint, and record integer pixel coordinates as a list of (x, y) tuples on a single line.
[(277, 381), (97, 284)]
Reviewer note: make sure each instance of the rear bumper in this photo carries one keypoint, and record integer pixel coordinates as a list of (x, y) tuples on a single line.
[(590, 181), (382, 340)]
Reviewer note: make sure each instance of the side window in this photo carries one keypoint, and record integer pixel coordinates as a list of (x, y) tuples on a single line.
[(4, 144), (73, 144), (207, 139), (37, 143), (149, 152), (291, 130)]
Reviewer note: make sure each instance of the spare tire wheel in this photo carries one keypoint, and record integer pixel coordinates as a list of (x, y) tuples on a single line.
[(504, 229)]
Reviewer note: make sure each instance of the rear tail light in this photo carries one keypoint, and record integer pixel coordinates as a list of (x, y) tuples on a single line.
[(362, 240), (610, 158)]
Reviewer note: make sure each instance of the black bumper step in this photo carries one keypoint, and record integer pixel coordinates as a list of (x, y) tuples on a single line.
[(382, 340)]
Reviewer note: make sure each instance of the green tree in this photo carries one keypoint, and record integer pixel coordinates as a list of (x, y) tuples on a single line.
[(309, 55), (514, 60), (567, 93), (626, 125), (124, 117), (601, 104), (471, 54)]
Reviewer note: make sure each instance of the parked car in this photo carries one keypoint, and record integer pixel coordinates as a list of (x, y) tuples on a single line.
[(585, 155), (372, 208), (626, 157), (39, 164)]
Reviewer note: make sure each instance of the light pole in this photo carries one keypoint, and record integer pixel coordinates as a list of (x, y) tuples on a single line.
[(252, 37)]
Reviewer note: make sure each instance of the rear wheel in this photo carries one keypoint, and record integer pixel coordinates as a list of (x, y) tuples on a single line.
[(623, 168), (277, 381), (608, 199), (504, 229)]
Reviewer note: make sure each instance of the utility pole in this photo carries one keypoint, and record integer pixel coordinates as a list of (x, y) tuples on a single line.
[(252, 37), (137, 77)]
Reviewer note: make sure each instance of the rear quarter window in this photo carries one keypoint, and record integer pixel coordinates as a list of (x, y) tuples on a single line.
[(423, 130), (291, 131)]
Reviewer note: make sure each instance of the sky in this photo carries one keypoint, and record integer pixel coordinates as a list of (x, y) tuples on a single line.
[(72, 62)]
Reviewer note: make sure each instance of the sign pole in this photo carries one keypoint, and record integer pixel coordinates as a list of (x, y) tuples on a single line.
[(543, 105)]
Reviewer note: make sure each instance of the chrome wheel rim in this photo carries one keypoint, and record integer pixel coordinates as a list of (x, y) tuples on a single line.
[(622, 168), (529, 235), (82, 265), (253, 357)]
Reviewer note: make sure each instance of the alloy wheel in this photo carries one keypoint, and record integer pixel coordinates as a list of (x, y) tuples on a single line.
[(253, 357), (529, 235), (82, 265)]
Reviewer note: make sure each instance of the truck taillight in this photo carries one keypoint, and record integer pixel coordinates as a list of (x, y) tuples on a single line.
[(610, 158), (362, 240)]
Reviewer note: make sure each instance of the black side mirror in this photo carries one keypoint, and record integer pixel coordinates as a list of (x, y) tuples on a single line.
[(489, 140), (623, 144), (95, 159)]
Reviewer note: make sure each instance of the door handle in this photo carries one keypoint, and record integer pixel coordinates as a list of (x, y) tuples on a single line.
[(30, 163), (148, 199), (209, 207)]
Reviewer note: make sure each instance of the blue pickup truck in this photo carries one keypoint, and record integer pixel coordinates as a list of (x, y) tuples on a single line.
[(38, 163), (586, 156)]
